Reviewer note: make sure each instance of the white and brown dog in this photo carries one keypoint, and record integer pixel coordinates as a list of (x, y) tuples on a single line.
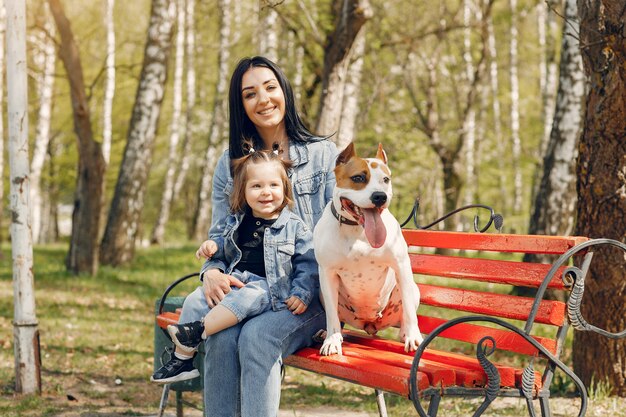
[(365, 272)]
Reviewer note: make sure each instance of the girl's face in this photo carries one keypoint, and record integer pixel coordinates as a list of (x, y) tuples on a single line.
[(263, 98), (264, 189)]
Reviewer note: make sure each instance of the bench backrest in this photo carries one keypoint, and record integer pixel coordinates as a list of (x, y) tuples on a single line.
[(477, 260)]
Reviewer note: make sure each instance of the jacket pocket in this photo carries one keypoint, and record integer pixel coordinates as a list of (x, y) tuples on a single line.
[(308, 194)]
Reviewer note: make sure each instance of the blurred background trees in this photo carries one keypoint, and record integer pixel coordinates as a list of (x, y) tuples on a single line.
[(436, 83)]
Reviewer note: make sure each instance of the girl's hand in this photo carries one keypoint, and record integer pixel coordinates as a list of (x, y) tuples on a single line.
[(206, 250), (295, 305)]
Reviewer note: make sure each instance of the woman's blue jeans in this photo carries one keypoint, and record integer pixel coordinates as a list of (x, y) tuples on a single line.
[(242, 363)]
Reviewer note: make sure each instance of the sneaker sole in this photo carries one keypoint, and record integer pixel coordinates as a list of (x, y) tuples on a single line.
[(183, 376), (173, 332)]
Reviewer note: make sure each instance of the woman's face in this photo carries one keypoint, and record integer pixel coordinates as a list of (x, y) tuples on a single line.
[(263, 98)]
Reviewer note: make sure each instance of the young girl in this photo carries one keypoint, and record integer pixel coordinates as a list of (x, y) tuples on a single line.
[(264, 245)]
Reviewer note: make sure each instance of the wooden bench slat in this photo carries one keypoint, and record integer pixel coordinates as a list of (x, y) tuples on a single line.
[(498, 305), (166, 318), (361, 371), (438, 374), (485, 270), (472, 333), (509, 376), (507, 243)]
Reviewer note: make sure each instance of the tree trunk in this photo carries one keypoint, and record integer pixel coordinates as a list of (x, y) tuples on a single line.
[(469, 124), (25, 330), (118, 243), (555, 203), (350, 16), (601, 171), (203, 211), (46, 60), (2, 32), (268, 31), (352, 89), (158, 232), (109, 90), (83, 252), (516, 144), (189, 123), (497, 115)]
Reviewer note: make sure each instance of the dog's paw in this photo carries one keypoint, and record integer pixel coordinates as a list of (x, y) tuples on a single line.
[(332, 345), (412, 340)]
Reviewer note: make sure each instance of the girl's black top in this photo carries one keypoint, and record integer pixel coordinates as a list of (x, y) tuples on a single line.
[(249, 238)]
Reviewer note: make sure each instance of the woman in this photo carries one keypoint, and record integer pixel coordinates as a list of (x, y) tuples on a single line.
[(242, 363)]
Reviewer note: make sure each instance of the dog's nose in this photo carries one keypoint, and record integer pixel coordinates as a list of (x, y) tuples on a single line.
[(378, 198)]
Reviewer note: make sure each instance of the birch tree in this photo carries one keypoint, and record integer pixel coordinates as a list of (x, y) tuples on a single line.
[(2, 32), (83, 251), (349, 18), (346, 132), (109, 89), (469, 123), (188, 122), (268, 30), (118, 242), (202, 218), (45, 58), (601, 172), (496, 109), (25, 326), (555, 203), (516, 144), (173, 156)]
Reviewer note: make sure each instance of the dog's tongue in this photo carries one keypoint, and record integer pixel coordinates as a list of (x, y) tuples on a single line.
[(374, 227)]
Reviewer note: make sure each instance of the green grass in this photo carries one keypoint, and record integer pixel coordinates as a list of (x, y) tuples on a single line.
[(94, 330)]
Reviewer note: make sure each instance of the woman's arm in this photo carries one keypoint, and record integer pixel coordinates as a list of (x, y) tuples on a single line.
[(304, 272)]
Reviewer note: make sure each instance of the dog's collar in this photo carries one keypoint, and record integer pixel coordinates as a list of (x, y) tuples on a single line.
[(341, 218)]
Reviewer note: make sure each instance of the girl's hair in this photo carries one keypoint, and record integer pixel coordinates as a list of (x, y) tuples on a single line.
[(240, 175), (241, 127)]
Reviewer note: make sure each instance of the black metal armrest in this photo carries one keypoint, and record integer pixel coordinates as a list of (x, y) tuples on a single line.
[(168, 290)]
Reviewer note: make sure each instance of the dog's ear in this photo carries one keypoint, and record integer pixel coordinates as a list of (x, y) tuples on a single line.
[(346, 154), (381, 154)]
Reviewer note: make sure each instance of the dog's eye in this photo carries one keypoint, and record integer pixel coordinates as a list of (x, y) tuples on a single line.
[(358, 178), (386, 180)]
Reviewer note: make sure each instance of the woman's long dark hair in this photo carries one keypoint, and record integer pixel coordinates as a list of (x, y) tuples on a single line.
[(241, 128)]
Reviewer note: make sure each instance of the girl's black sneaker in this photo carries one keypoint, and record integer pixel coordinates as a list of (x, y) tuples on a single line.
[(186, 336)]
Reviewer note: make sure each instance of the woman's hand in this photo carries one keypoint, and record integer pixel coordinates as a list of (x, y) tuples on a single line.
[(206, 250), (217, 284), (295, 305)]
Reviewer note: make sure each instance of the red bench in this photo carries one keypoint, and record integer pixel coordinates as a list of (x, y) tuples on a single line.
[(470, 278)]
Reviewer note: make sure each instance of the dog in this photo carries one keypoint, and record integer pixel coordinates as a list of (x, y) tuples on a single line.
[(366, 279)]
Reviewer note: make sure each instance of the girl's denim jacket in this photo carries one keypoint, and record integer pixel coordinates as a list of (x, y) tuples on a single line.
[(290, 264), (312, 178)]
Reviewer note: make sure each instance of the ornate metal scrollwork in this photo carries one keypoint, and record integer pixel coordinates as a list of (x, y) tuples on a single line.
[(493, 376), (528, 384), (496, 219), (414, 391)]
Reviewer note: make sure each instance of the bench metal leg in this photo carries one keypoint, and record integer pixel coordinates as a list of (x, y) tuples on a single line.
[(380, 401), (433, 405), (544, 404), (179, 404), (163, 403)]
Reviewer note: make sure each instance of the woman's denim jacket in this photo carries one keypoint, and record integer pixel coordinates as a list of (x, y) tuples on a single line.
[(290, 264), (312, 178)]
